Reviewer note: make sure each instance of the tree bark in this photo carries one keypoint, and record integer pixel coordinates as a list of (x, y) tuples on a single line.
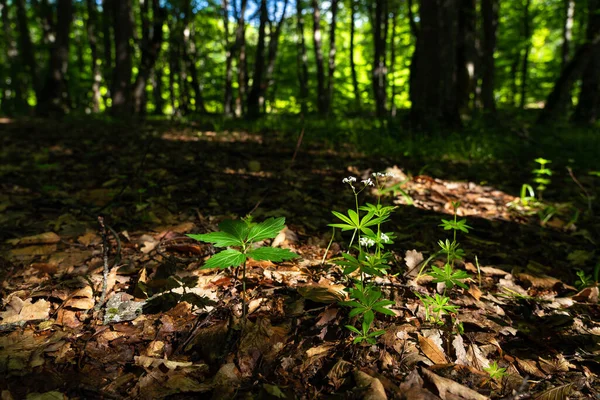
[(121, 84), (54, 96), (93, 40), (26, 49), (393, 63), (489, 12), (302, 59), (107, 11), (433, 69), (13, 91), (357, 101), (525, 59), (229, 56), (253, 104), (274, 35), (588, 107), (466, 53), (567, 34), (321, 93), (151, 43), (240, 38), (379, 70), (331, 62)]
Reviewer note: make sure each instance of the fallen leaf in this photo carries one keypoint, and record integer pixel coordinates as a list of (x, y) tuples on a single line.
[(148, 362), (556, 393), (373, 388), (322, 293), (19, 311), (587, 295), (432, 350), (42, 238), (412, 388), (413, 259), (529, 367), (32, 251), (450, 390)]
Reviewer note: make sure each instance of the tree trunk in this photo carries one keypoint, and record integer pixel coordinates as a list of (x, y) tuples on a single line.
[(190, 56), (353, 6), (302, 60), (489, 12), (274, 35), (93, 40), (321, 94), (393, 63), (379, 70), (433, 69), (157, 85), (466, 53), (332, 50), (26, 49), (54, 97), (567, 34), (240, 38), (151, 43), (121, 84), (230, 54), (253, 104), (107, 11), (13, 92), (588, 107), (525, 59)]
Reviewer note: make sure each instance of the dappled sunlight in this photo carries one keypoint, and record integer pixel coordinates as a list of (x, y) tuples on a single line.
[(189, 135)]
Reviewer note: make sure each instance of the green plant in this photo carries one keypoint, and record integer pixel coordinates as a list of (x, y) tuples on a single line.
[(449, 276), (436, 307), (541, 175), (243, 235), (366, 301), (495, 371), (588, 280), (365, 332)]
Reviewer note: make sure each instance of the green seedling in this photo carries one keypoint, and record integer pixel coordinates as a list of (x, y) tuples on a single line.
[(449, 276), (242, 236), (365, 333), (541, 175), (588, 280), (495, 371), (365, 300), (367, 265), (436, 307)]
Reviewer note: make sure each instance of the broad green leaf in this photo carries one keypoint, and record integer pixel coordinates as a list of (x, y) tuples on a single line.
[(219, 239), (271, 254), (225, 259), (237, 228), (343, 218), (266, 230), (354, 217), (351, 303), (353, 329), (377, 333), (369, 317), (343, 227), (356, 311)]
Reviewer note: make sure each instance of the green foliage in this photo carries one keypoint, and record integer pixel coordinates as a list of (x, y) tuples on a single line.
[(244, 234), (436, 307), (495, 371), (365, 333), (365, 300), (449, 276)]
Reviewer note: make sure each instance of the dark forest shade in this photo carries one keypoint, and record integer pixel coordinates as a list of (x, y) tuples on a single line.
[(443, 59)]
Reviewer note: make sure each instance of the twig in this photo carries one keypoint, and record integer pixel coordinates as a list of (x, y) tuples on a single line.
[(587, 195), (104, 234)]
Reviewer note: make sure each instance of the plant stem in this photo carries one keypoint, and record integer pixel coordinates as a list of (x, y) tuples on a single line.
[(244, 292)]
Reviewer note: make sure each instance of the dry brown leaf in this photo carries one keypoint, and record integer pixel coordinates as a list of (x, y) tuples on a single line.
[(413, 258), (285, 238), (18, 311), (337, 373), (88, 238), (432, 350), (226, 382), (475, 291), (557, 393), (459, 350), (412, 388), (322, 293), (485, 270), (476, 358), (42, 238), (560, 364), (588, 295), (530, 367), (538, 281), (148, 362), (373, 388), (32, 251), (319, 350), (327, 316), (448, 389)]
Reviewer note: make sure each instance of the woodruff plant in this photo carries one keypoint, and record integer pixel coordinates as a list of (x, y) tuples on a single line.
[(240, 238), (365, 298)]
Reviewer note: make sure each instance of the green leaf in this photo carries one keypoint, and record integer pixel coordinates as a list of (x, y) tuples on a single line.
[(219, 239), (267, 229), (353, 329), (271, 254), (343, 227), (356, 311), (354, 217), (237, 228), (343, 218), (225, 259)]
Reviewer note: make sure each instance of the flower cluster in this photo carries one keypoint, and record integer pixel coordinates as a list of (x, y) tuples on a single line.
[(349, 180), (366, 242)]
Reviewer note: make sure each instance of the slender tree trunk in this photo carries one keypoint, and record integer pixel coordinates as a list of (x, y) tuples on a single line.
[(107, 11), (321, 94), (93, 40), (240, 38), (274, 35), (489, 12), (393, 64), (173, 67), (157, 89), (121, 84), (253, 104), (229, 56), (302, 60), (190, 56), (54, 97), (567, 34), (353, 6), (15, 102), (331, 62), (379, 70), (466, 53), (525, 59), (150, 46), (588, 107), (26, 48)]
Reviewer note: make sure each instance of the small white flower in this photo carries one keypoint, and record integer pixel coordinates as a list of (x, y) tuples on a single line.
[(378, 174), (368, 182), (366, 242), (385, 238), (390, 174), (349, 179)]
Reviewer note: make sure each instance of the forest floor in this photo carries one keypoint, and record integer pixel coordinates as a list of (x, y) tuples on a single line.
[(156, 182)]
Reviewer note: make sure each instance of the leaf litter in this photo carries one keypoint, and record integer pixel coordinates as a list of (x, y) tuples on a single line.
[(521, 308)]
